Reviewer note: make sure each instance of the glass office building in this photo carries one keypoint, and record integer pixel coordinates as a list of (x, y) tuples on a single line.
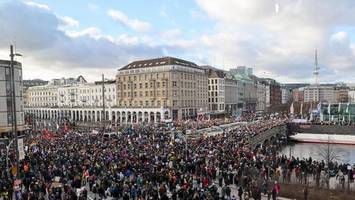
[(337, 112)]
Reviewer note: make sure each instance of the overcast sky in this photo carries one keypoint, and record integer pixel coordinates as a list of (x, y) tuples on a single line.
[(90, 37)]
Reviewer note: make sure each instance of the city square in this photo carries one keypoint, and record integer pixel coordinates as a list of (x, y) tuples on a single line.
[(126, 111)]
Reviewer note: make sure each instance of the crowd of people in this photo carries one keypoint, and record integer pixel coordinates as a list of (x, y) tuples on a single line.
[(144, 163)]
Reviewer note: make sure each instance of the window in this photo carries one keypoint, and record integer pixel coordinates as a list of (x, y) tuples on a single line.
[(140, 85), (146, 85), (146, 93), (174, 83), (163, 84), (175, 102), (158, 84)]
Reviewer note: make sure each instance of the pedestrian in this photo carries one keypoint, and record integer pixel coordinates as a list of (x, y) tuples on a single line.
[(240, 193)]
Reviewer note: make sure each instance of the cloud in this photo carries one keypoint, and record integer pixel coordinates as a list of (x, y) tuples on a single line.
[(37, 5), (134, 24), (59, 52), (68, 21), (283, 42)]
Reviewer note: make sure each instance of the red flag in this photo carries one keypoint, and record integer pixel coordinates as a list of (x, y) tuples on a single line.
[(66, 128)]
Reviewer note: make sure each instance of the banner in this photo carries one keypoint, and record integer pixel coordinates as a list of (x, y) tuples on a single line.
[(20, 148)]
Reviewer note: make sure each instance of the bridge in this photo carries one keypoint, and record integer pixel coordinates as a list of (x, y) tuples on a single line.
[(269, 135)]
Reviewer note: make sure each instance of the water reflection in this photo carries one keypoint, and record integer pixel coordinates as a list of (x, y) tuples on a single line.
[(306, 150)]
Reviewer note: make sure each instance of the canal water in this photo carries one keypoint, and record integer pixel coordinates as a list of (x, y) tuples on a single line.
[(346, 153)]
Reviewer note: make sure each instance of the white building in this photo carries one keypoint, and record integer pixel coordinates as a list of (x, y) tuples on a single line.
[(6, 96), (78, 101), (87, 95), (351, 94), (320, 94)]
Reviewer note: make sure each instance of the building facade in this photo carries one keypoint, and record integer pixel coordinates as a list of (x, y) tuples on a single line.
[(246, 89), (320, 93), (298, 94), (261, 95), (222, 93), (78, 101), (177, 87), (6, 115), (286, 95)]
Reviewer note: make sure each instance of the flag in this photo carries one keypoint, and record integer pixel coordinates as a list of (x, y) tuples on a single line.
[(66, 128), (301, 109), (292, 109), (310, 108), (347, 108), (339, 107), (319, 106), (86, 174), (329, 108)]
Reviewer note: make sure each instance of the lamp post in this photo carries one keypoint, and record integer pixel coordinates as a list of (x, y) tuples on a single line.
[(13, 106), (349, 169)]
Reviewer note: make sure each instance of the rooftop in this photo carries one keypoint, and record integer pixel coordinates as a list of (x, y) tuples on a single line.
[(159, 62)]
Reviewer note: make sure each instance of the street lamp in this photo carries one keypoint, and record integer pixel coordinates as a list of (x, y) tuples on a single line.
[(13, 94), (349, 169)]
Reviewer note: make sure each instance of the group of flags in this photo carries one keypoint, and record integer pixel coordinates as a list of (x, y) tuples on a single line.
[(317, 111)]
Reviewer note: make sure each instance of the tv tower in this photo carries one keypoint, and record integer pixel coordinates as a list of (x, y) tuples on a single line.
[(316, 69)]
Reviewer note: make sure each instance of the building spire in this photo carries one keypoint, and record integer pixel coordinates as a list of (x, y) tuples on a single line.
[(316, 69)]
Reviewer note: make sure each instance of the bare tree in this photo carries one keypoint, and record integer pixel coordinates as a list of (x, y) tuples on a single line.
[(330, 154)]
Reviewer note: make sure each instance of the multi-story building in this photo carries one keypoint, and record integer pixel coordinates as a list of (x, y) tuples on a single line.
[(342, 94), (261, 88), (87, 95), (285, 95), (6, 115), (73, 100), (351, 96), (231, 96), (273, 92), (320, 93), (246, 89), (160, 89), (298, 94), (222, 93), (31, 83)]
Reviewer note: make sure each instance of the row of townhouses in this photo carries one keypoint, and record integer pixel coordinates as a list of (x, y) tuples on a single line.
[(154, 90)]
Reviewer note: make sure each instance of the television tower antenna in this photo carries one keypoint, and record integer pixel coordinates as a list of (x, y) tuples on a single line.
[(316, 69)]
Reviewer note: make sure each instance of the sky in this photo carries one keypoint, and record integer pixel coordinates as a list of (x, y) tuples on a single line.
[(277, 38)]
